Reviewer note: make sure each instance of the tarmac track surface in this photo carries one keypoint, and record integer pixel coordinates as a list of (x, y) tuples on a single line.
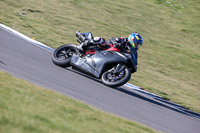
[(27, 61)]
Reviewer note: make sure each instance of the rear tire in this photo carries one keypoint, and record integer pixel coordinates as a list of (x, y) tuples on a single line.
[(62, 55), (113, 81)]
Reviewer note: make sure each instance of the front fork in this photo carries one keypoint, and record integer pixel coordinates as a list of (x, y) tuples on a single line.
[(116, 70)]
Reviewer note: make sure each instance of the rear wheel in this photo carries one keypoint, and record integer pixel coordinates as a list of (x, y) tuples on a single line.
[(114, 79), (62, 55)]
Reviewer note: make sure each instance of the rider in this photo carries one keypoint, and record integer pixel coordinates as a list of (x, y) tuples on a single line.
[(134, 40)]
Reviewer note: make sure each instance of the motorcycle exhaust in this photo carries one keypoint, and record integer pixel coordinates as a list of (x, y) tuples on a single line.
[(80, 37)]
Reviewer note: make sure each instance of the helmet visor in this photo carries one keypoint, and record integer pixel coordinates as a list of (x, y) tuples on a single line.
[(137, 43)]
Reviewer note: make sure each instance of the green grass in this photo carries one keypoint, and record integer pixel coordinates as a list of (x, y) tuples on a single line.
[(25, 107), (169, 59)]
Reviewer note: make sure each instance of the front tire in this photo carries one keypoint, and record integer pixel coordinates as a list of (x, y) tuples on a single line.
[(62, 55), (112, 80)]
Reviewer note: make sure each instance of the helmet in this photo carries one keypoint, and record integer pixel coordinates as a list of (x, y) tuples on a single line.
[(100, 40), (135, 40)]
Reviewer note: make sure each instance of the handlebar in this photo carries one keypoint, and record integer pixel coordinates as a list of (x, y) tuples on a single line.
[(80, 37)]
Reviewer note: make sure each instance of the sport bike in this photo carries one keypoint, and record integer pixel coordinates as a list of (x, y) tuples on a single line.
[(112, 67)]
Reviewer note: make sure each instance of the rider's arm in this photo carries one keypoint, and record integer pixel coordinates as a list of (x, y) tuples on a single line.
[(120, 43), (116, 42), (113, 41)]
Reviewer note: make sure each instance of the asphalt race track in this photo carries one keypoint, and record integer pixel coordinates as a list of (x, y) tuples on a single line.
[(25, 60)]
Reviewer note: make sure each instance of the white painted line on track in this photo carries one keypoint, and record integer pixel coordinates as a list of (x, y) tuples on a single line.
[(14, 32), (134, 87)]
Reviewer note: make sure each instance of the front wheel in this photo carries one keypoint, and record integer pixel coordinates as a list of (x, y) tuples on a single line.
[(113, 79), (62, 55)]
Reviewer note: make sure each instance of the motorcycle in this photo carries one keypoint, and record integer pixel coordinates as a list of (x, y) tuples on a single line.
[(112, 67)]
